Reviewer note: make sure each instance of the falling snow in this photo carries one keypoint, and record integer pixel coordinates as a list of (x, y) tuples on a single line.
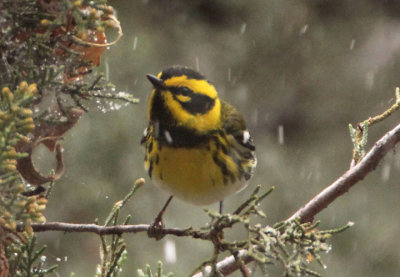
[(243, 28), (281, 135), (304, 29), (170, 251), (352, 43), (135, 40)]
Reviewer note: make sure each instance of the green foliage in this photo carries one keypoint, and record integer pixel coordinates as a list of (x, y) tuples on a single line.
[(294, 245), (359, 138), (359, 135), (56, 44), (113, 256), (148, 273), (27, 260), (15, 123), (289, 243), (48, 50), (113, 249)]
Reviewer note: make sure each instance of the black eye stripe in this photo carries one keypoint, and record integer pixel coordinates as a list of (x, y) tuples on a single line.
[(198, 104), (181, 91)]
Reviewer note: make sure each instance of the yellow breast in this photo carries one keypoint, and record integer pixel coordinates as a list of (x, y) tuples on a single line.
[(192, 174)]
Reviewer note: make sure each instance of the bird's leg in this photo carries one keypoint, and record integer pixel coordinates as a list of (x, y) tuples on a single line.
[(158, 220), (158, 223), (221, 206)]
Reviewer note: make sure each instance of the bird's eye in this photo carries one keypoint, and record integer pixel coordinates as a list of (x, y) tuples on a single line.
[(185, 91), (180, 91)]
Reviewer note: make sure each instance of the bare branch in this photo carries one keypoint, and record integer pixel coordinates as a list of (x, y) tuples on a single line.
[(228, 265), (329, 194), (112, 230), (349, 178)]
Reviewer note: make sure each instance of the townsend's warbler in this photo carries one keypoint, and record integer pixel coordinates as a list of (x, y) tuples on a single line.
[(197, 146)]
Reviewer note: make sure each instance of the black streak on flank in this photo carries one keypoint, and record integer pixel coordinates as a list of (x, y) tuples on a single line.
[(151, 169), (222, 166)]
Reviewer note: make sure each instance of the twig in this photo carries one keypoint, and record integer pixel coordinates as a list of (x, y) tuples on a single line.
[(88, 43), (369, 162), (380, 117), (349, 178), (111, 230), (359, 135), (228, 265)]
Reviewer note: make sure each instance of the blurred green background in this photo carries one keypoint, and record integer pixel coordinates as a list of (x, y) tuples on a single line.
[(309, 67)]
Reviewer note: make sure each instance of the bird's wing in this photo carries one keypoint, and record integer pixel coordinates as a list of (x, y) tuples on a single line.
[(233, 124)]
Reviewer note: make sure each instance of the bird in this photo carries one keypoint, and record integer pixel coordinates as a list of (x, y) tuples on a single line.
[(197, 146)]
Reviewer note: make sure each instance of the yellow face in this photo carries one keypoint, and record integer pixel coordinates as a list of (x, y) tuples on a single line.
[(191, 103)]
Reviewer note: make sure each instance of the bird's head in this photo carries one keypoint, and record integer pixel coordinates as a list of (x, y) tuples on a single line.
[(185, 98)]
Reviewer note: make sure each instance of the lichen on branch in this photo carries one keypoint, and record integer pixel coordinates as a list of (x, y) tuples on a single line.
[(359, 134)]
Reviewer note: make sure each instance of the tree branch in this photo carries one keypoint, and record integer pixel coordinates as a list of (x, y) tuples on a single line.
[(329, 194), (112, 230), (228, 265), (349, 178), (306, 213)]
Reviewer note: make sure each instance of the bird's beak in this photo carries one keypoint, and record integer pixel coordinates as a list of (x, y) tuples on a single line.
[(157, 82)]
